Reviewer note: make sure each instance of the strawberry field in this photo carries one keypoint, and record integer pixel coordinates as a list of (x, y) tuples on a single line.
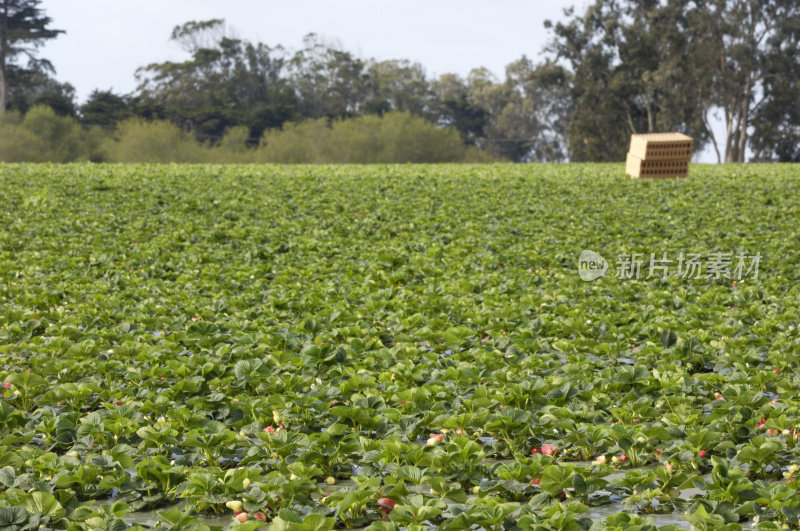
[(397, 347)]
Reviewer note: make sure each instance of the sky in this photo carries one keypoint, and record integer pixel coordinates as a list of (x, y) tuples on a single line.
[(107, 40)]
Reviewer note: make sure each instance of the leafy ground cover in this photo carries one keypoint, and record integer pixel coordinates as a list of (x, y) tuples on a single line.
[(391, 347)]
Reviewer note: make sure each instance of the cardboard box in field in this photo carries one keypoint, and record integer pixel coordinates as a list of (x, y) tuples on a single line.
[(664, 169), (659, 155)]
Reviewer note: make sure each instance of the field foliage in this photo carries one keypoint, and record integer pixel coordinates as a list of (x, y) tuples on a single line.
[(317, 344)]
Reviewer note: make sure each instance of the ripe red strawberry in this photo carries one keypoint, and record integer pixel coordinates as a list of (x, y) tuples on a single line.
[(6, 385), (701, 453), (260, 516), (548, 449), (269, 429), (537, 481), (535, 451), (623, 457), (777, 370), (241, 517), (386, 504)]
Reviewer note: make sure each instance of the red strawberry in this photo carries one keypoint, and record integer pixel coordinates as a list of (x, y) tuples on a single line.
[(549, 450), (777, 370), (241, 517), (6, 385), (260, 516), (537, 481), (386, 504), (535, 451), (269, 429), (623, 457), (701, 453)]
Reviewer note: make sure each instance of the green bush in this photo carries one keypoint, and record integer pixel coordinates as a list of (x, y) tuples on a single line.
[(393, 138), (233, 147), (18, 144), (137, 140), (41, 136), (63, 136)]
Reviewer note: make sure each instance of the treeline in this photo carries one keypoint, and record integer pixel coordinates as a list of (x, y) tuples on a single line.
[(620, 67), (43, 136)]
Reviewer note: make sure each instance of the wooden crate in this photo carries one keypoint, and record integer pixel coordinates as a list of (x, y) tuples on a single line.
[(661, 146), (636, 167), (659, 155)]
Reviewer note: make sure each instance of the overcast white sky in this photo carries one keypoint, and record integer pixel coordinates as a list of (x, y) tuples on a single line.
[(107, 40)]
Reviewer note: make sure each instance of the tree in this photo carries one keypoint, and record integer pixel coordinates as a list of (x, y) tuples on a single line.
[(23, 29), (106, 109), (226, 82), (399, 85), (329, 81), (28, 87), (665, 65), (637, 66), (454, 108), (776, 121), (753, 64)]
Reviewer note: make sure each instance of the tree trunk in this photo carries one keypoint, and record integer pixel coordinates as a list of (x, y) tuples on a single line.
[(713, 139), (2, 89), (3, 55), (630, 122), (729, 134), (745, 118)]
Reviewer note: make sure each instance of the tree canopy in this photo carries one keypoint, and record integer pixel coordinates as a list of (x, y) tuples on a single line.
[(615, 68), (23, 29)]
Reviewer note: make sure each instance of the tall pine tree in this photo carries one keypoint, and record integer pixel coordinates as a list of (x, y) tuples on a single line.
[(23, 29)]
